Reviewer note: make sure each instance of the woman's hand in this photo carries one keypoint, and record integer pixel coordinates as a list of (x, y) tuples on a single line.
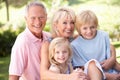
[(78, 74)]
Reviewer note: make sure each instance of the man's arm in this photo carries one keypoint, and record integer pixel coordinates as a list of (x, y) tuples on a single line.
[(13, 77)]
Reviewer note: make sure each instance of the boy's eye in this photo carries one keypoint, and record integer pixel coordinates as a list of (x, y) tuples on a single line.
[(92, 26)]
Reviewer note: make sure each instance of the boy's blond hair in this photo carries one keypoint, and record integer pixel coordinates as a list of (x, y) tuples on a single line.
[(85, 17)]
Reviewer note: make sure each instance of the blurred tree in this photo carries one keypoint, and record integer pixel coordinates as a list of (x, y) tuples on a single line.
[(117, 31), (14, 3), (113, 2), (18, 3), (7, 8)]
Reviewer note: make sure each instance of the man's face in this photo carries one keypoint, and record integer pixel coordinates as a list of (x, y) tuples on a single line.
[(36, 20)]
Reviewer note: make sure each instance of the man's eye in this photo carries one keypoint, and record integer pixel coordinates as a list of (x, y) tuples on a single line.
[(42, 17), (32, 18)]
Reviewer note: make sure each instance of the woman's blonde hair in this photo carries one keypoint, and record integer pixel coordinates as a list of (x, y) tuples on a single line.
[(58, 42), (60, 14), (85, 17)]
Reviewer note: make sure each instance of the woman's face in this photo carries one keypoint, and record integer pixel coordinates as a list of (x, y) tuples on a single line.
[(65, 26)]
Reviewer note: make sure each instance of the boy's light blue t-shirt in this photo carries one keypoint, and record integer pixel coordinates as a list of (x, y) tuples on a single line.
[(97, 48)]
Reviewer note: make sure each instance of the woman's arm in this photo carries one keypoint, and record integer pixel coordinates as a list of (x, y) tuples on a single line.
[(49, 75)]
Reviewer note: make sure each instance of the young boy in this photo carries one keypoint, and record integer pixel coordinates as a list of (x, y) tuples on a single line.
[(91, 43)]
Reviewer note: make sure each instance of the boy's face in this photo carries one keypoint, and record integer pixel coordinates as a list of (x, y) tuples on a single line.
[(88, 31)]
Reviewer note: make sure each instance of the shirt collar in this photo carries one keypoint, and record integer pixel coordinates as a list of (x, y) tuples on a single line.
[(32, 37)]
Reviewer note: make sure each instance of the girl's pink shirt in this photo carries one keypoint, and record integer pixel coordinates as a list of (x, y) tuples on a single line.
[(25, 56)]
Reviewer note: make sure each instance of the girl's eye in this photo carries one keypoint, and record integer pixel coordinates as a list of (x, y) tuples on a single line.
[(84, 28), (64, 51)]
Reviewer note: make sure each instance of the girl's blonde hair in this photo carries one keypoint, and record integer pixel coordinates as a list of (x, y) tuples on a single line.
[(60, 14), (85, 17), (58, 42)]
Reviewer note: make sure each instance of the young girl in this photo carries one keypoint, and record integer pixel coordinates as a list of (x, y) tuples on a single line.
[(91, 43), (60, 55)]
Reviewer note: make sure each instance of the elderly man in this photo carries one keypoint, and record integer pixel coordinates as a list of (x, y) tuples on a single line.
[(25, 56)]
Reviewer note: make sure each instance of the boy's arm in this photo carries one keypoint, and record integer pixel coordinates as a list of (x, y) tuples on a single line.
[(110, 62)]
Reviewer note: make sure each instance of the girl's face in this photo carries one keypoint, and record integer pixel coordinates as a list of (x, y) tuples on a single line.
[(88, 31), (65, 27), (61, 54)]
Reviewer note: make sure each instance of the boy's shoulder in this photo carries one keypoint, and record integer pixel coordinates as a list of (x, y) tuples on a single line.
[(101, 32)]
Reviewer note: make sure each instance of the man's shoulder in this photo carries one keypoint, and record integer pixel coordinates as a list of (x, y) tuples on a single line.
[(21, 38), (47, 34)]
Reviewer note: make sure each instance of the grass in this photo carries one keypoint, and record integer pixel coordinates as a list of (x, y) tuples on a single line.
[(4, 66)]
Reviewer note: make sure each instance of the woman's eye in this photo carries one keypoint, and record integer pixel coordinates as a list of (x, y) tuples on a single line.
[(57, 52), (72, 22), (64, 22)]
